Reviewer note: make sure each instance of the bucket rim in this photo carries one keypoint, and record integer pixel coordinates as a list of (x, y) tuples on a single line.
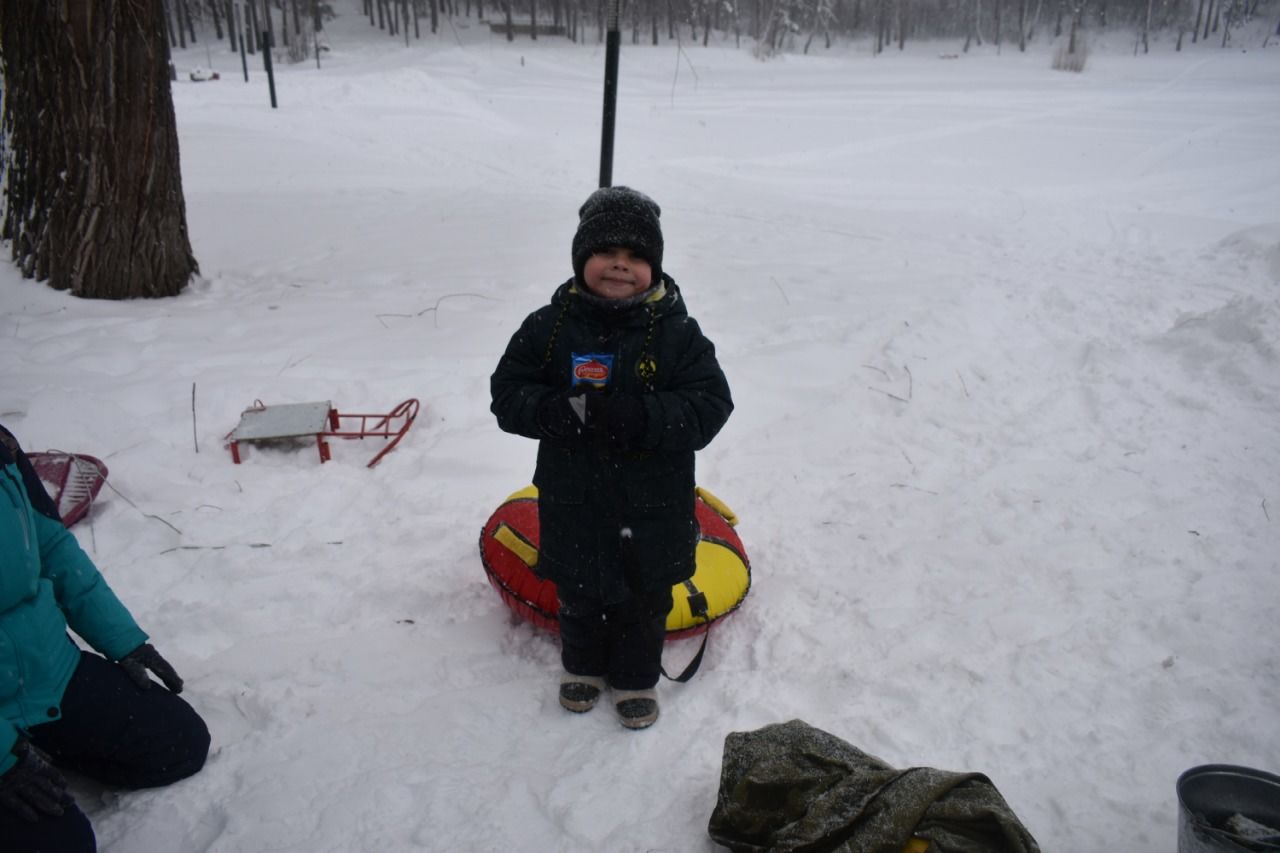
[(1225, 770)]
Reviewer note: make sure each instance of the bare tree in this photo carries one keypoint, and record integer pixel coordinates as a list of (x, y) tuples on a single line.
[(1146, 29), (93, 190), (217, 19)]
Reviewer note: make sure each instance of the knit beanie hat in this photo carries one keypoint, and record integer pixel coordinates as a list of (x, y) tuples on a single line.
[(618, 216)]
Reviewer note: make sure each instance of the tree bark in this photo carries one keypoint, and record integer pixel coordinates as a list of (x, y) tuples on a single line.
[(191, 24), (93, 185), (173, 38), (217, 18)]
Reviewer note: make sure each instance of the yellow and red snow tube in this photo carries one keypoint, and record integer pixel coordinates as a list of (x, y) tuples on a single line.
[(721, 578)]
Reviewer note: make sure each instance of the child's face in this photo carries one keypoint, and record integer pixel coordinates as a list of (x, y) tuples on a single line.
[(617, 273)]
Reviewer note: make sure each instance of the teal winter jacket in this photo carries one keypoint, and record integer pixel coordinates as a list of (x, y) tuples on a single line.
[(47, 584)]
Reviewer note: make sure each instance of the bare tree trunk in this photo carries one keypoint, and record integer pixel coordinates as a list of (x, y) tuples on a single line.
[(251, 27), (506, 8), (173, 38), (1195, 31), (191, 25), (93, 187), (1207, 18), (1022, 26), (217, 19)]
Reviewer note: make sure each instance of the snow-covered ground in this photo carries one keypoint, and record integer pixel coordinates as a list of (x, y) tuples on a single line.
[(1005, 347)]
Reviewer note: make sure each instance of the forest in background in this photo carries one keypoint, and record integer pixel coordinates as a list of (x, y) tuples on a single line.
[(296, 27)]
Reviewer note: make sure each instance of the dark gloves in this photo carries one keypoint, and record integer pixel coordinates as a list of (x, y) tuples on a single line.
[(610, 421), (145, 657), (616, 421), (563, 415), (33, 786)]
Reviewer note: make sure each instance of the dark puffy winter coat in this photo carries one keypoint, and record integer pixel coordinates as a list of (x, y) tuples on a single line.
[(46, 583), (616, 523)]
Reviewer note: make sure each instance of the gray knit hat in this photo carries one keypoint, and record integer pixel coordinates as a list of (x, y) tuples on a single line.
[(618, 216)]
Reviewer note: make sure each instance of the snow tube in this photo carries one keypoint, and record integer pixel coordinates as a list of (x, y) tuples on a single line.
[(721, 578)]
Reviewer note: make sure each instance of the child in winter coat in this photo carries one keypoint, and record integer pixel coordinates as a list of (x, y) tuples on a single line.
[(620, 387), (64, 707)]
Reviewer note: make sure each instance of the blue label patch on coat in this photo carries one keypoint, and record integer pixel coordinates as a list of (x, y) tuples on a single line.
[(592, 369)]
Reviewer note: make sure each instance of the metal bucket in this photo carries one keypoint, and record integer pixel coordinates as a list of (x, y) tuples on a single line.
[(1210, 794)]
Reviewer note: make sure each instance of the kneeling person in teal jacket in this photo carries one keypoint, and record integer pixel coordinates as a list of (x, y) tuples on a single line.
[(64, 707)]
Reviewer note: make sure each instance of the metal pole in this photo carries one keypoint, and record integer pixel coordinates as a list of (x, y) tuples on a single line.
[(244, 62), (266, 62), (613, 40)]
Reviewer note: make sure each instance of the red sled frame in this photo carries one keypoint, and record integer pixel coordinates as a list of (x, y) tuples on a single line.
[(334, 424)]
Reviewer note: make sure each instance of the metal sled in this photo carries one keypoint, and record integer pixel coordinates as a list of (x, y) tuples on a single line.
[(262, 423)]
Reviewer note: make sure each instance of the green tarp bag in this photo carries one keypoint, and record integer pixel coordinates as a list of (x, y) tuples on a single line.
[(789, 787)]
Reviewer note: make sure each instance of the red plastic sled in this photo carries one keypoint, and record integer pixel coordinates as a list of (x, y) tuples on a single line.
[(71, 479)]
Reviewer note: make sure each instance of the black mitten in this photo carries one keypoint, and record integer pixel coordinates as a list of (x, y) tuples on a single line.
[(145, 657), (33, 786), (562, 415), (617, 421)]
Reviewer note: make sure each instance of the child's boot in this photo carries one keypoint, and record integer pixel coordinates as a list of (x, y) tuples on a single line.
[(637, 709), (578, 693)]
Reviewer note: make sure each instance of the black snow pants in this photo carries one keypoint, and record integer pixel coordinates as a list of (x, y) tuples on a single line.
[(116, 733), (621, 642)]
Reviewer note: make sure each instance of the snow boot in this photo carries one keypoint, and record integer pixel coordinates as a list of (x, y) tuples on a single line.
[(578, 693), (637, 709)]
